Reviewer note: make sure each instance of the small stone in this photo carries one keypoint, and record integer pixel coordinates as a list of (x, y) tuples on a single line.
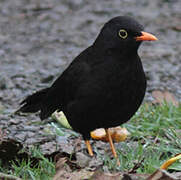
[(82, 159), (30, 141), (20, 137), (31, 128), (61, 139), (30, 134), (48, 147), (13, 122), (68, 148)]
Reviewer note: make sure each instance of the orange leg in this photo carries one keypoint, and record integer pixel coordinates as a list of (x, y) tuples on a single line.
[(112, 146), (89, 148)]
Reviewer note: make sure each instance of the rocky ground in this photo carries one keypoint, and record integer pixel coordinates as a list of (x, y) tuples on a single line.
[(39, 38)]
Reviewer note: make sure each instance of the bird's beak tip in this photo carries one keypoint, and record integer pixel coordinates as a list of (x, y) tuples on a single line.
[(146, 37)]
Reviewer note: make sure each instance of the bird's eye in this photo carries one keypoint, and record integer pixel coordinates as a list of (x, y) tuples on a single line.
[(123, 33)]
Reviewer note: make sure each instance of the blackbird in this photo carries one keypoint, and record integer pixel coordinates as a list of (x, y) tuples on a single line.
[(104, 85)]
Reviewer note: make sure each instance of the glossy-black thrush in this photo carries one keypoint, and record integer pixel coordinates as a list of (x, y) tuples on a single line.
[(104, 85)]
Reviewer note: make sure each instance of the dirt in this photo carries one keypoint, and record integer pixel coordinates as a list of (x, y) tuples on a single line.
[(39, 38)]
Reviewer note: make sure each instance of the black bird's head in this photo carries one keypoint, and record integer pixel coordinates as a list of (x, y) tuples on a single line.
[(122, 34)]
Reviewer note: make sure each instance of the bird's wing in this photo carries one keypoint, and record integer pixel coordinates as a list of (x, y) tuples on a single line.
[(64, 88), (101, 87)]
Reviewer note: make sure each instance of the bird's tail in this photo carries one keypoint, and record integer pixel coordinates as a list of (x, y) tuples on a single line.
[(33, 103)]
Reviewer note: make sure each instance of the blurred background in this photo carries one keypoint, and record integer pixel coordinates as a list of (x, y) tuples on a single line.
[(39, 38)]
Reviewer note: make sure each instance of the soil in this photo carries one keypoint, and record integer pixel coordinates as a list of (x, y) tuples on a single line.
[(39, 38)]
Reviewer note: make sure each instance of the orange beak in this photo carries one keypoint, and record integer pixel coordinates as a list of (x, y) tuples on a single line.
[(146, 37)]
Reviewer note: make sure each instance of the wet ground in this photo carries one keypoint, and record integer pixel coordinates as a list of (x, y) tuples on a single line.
[(39, 38)]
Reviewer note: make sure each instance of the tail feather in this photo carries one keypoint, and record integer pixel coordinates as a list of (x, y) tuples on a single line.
[(51, 103), (33, 103), (47, 111), (46, 100)]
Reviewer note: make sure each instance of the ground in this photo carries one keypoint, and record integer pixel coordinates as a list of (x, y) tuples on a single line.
[(39, 38)]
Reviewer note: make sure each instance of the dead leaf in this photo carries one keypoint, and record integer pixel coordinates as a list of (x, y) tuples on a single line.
[(99, 175), (176, 28), (160, 97), (161, 175), (2, 135), (64, 172), (9, 150), (118, 134), (61, 118), (170, 98), (60, 169)]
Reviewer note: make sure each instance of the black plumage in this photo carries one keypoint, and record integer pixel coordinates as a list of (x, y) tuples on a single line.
[(104, 86)]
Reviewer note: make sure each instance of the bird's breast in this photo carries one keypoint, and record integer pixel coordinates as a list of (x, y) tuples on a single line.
[(125, 93)]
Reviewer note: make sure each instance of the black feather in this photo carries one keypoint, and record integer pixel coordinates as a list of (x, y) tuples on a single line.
[(33, 103), (103, 86)]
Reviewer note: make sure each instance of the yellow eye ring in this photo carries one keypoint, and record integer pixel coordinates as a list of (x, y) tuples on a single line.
[(123, 34)]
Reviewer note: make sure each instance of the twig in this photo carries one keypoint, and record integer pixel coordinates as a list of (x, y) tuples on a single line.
[(8, 177)]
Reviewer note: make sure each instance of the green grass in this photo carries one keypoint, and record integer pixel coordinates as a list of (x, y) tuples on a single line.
[(44, 170), (155, 137)]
